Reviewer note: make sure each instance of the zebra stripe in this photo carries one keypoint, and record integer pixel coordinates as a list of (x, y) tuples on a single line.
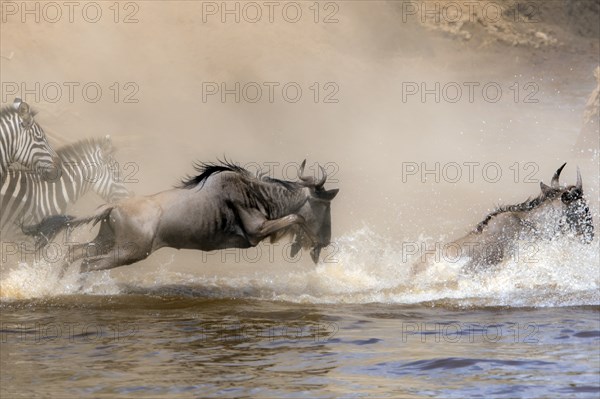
[(88, 164), (22, 140)]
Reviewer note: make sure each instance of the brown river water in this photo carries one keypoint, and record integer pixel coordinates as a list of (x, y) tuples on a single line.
[(173, 346)]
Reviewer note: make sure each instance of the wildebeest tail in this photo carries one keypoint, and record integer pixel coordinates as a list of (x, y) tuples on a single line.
[(48, 229)]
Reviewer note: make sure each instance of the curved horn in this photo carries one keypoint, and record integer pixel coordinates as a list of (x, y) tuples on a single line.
[(554, 183), (579, 183), (310, 180), (545, 189), (321, 182), (305, 179)]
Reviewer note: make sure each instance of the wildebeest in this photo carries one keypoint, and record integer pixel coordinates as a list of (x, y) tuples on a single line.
[(224, 206), (558, 211)]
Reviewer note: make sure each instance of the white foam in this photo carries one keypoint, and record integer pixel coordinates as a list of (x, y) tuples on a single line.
[(42, 280), (367, 268)]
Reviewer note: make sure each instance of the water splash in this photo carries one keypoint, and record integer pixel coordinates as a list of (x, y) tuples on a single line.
[(371, 268), (368, 268), (42, 280)]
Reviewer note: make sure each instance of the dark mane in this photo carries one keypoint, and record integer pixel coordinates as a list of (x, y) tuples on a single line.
[(527, 205), (207, 169)]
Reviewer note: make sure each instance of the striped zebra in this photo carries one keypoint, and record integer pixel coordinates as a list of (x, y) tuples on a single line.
[(22, 140), (25, 198)]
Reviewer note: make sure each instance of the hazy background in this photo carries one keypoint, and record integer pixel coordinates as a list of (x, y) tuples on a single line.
[(372, 52)]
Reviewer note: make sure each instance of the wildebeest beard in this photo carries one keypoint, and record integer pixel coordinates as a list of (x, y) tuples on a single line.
[(300, 241)]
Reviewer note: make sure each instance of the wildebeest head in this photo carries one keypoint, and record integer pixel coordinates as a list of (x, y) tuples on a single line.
[(575, 216), (317, 215)]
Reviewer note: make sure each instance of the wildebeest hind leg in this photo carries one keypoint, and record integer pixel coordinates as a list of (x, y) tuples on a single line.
[(103, 262), (103, 243), (63, 269), (119, 255)]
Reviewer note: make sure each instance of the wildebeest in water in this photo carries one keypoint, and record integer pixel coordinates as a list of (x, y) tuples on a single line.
[(558, 211), (224, 206)]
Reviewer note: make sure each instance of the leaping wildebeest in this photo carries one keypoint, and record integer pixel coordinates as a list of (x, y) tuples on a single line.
[(558, 211), (224, 206)]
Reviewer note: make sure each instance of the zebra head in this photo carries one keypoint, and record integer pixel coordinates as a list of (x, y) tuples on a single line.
[(108, 184), (31, 148)]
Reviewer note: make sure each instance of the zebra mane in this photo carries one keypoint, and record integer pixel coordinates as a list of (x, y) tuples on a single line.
[(525, 206), (7, 111), (82, 146), (73, 151), (10, 110)]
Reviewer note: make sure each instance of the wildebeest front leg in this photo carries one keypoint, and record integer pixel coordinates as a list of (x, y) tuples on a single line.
[(258, 227)]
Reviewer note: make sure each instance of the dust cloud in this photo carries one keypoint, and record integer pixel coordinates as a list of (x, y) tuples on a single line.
[(384, 105)]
